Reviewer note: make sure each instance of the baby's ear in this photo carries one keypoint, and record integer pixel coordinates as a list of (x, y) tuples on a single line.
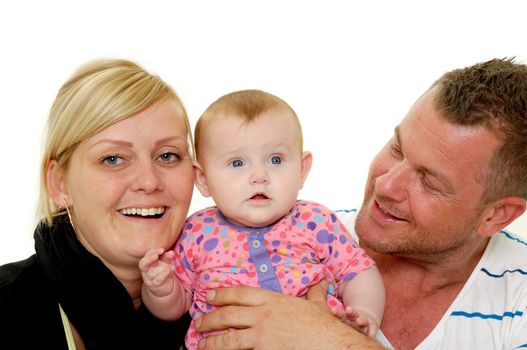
[(305, 164), (57, 189), (200, 179), (500, 214)]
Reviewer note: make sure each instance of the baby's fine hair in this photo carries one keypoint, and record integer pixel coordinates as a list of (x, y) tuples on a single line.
[(245, 104)]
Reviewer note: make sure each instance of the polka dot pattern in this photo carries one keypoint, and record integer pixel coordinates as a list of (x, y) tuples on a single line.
[(307, 245)]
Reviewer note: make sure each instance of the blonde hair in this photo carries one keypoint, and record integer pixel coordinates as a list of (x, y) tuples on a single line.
[(246, 104), (100, 93)]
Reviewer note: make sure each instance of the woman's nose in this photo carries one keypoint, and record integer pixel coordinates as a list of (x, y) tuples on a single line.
[(148, 177)]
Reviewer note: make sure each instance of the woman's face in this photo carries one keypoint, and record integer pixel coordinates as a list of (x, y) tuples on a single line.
[(129, 187)]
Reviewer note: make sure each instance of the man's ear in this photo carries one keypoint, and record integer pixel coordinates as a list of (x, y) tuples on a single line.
[(500, 214), (57, 188), (200, 179), (305, 166)]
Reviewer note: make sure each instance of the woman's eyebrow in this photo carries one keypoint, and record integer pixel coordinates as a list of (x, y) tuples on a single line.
[(112, 141)]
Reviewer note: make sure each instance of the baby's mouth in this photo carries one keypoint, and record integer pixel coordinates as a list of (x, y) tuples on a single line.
[(259, 196), (147, 213)]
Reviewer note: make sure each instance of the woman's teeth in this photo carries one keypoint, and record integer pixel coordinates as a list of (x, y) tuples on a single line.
[(143, 211)]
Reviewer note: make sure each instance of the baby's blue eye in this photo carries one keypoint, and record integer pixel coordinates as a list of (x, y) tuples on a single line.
[(276, 160), (237, 163)]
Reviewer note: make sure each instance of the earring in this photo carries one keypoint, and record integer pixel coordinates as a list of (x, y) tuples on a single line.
[(68, 211)]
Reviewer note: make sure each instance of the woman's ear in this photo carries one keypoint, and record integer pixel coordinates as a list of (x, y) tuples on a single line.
[(200, 179), (500, 215), (56, 185), (305, 166)]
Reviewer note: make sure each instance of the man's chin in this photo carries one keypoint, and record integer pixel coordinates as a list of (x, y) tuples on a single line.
[(359, 220)]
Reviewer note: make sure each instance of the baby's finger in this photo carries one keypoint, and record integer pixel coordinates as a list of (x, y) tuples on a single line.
[(361, 321), (150, 257), (168, 256), (370, 331), (351, 314), (161, 276), (338, 312)]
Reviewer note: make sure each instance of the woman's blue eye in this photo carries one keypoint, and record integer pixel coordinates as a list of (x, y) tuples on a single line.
[(112, 160), (169, 157), (276, 160), (237, 163)]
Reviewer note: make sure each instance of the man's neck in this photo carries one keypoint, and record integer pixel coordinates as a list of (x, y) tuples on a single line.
[(430, 272), (420, 291)]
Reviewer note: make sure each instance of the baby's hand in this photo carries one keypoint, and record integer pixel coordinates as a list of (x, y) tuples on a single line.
[(361, 321), (156, 270)]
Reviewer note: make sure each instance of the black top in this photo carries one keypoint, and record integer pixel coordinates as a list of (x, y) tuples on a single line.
[(96, 303)]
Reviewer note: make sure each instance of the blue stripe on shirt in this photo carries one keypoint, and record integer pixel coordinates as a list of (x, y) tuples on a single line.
[(346, 211), (485, 316), (503, 274), (508, 235)]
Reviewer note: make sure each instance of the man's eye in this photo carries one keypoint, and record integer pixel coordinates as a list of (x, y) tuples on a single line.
[(237, 163), (427, 185), (396, 151), (276, 160)]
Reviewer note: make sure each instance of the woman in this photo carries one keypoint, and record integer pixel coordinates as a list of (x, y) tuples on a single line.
[(116, 180)]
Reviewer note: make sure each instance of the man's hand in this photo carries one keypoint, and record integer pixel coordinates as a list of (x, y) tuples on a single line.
[(259, 319)]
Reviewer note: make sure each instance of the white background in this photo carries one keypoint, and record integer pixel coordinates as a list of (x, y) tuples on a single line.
[(350, 69)]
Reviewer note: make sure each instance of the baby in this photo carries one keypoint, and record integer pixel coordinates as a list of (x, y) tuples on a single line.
[(250, 159)]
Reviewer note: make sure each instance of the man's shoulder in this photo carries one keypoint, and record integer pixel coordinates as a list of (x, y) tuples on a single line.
[(492, 303), (507, 249), (501, 271), (346, 214)]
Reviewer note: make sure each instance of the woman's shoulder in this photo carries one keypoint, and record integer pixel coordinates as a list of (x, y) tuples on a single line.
[(23, 286), (12, 274), (27, 306)]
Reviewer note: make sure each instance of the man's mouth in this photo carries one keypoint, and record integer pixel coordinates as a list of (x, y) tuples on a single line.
[(389, 212), (147, 213)]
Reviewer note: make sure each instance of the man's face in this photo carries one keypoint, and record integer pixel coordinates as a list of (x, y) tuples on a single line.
[(424, 187)]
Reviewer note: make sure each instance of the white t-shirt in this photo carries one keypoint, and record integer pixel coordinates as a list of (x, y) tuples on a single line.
[(490, 312)]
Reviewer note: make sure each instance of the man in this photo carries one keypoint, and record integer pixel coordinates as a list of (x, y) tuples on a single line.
[(437, 198)]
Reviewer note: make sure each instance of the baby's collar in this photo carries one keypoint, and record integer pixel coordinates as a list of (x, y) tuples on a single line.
[(223, 221)]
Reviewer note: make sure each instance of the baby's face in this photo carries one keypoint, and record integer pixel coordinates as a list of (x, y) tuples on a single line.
[(254, 170)]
